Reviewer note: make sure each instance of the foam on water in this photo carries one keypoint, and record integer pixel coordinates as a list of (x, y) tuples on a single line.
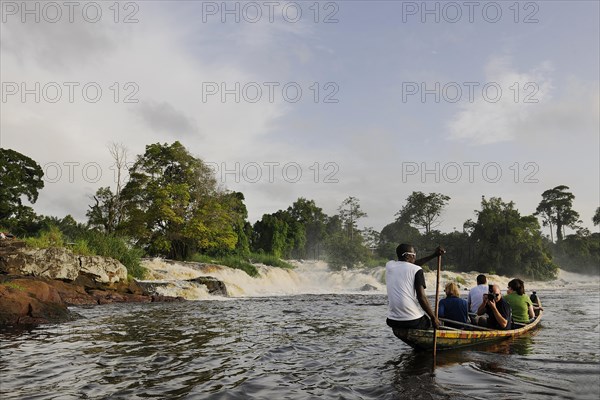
[(314, 277)]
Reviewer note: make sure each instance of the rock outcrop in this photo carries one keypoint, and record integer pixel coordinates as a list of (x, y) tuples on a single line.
[(57, 263), (37, 285), (214, 286), (367, 288), (30, 302)]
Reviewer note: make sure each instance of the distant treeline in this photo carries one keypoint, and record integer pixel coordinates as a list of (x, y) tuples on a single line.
[(171, 205)]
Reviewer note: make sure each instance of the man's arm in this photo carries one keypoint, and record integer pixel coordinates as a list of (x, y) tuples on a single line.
[(539, 305), (499, 317), (438, 252), (422, 297)]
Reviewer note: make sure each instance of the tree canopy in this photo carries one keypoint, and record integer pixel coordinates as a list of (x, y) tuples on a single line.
[(508, 243), (314, 220), (423, 210), (19, 176), (345, 244), (174, 206), (556, 208), (104, 214), (350, 212)]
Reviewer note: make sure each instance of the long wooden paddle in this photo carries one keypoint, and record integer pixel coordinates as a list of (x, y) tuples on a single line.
[(437, 299)]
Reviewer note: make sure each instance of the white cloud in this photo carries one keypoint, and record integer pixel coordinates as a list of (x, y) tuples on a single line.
[(167, 80), (501, 105)]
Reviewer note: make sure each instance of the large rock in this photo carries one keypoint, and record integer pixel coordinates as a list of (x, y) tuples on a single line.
[(57, 263), (105, 270), (30, 302), (367, 288), (214, 286), (52, 263), (73, 294), (37, 285)]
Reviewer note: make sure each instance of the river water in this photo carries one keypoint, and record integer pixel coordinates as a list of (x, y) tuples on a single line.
[(304, 346)]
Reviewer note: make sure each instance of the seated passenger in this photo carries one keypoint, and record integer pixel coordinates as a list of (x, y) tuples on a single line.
[(498, 311), (520, 303), (537, 303), (476, 293), (453, 307)]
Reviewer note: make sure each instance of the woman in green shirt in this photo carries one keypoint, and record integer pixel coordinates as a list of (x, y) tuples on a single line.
[(522, 307)]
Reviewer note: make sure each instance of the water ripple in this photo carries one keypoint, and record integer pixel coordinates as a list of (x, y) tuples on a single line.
[(329, 346)]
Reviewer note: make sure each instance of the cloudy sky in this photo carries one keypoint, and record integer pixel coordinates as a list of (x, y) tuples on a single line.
[(372, 99)]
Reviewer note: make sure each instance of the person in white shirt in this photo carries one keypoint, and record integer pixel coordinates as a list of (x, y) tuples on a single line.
[(476, 294), (408, 305)]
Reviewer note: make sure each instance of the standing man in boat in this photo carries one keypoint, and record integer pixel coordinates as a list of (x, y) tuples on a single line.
[(498, 311), (408, 305)]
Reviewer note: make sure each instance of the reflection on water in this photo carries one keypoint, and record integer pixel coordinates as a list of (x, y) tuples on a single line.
[(327, 346)]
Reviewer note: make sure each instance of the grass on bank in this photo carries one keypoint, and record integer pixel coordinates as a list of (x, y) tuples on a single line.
[(269, 259), (92, 243), (242, 263), (14, 286), (375, 262)]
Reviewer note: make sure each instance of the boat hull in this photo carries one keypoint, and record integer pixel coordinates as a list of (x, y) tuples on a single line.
[(452, 339)]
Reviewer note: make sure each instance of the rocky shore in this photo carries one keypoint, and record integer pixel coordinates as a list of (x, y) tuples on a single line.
[(38, 285)]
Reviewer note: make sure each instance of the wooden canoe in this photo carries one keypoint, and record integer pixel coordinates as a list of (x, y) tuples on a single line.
[(448, 338)]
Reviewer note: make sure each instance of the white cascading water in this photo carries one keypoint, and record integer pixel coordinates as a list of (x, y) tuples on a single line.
[(314, 277), (306, 278)]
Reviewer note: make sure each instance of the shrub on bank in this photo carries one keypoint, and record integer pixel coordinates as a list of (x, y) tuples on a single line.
[(52, 237), (116, 247)]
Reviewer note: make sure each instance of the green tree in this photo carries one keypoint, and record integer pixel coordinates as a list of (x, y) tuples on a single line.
[(596, 217), (270, 235), (580, 253), (70, 228), (296, 235), (104, 214), (345, 245), (508, 243), (393, 234), (20, 176), (350, 212), (343, 250), (371, 237), (173, 205), (279, 234), (241, 226), (313, 220), (333, 225), (556, 208), (423, 210), (107, 212), (460, 251)]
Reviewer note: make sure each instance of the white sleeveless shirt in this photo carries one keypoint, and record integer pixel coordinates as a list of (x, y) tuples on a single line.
[(402, 296)]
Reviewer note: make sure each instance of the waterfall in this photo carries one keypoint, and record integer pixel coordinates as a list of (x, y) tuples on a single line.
[(306, 278), (313, 277)]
